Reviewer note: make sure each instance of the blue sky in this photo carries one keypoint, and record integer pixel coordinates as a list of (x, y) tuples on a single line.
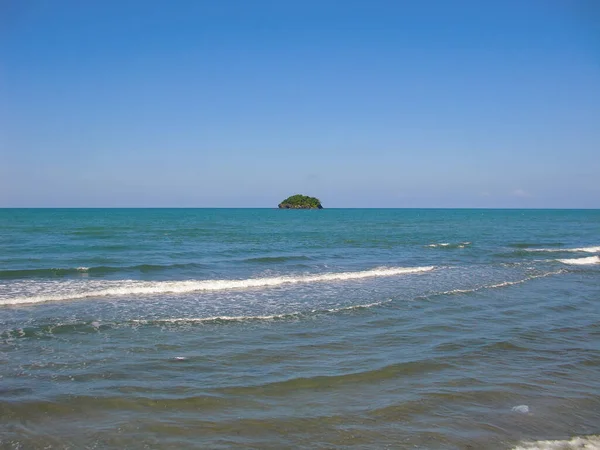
[(242, 103)]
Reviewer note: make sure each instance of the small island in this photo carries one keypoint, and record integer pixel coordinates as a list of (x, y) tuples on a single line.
[(299, 201)]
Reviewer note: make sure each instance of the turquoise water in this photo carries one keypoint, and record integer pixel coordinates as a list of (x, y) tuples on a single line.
[(259, 328)]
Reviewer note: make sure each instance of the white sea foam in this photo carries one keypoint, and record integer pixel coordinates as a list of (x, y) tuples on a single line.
[(581, 261), (132, 287), (523, 409), (595, 249), (448, 244), (250, 318), (178, 320), (576, 443), (498, 285)]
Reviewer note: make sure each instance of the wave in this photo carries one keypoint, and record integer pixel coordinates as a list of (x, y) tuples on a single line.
[(581, 261), (282, 316), (494, 286), (54, 329), (593, 249), (98, 270), (525, 245), (576, 443), (414, 368), (95, 326), (132, 287), (52, 272), (448, 245), (277, 259)]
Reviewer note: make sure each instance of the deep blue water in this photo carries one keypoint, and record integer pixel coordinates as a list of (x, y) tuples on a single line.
[(259, 328)]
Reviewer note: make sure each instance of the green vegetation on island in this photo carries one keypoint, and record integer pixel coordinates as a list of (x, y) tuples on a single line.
[(299, 201)]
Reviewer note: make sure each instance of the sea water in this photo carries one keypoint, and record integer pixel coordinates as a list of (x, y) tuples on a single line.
[(272, 329)]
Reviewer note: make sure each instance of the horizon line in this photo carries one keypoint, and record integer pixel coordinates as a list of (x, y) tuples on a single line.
[(301, 209)]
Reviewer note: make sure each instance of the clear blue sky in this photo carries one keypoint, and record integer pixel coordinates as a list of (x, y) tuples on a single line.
[(242, 103)]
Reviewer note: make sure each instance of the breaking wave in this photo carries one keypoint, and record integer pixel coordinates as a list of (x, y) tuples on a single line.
[(448, 245), (130, 287), (576, 443), (594, 249), (581, 261)]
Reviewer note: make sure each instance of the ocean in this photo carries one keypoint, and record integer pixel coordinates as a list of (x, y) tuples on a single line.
[(299, 329)]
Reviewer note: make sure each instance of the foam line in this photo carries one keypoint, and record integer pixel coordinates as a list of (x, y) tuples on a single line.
[(595, 249), (581, 261), (182, 287), (586, 442), (448, 245), (289, 315), (495, 286)]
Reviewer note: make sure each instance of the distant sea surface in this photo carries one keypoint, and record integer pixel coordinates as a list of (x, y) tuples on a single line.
[(299, 329)]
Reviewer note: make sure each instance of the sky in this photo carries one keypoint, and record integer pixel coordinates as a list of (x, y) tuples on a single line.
[(237, 103)]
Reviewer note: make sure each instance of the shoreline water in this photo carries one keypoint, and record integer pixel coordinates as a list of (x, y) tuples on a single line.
[(444, 329)]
